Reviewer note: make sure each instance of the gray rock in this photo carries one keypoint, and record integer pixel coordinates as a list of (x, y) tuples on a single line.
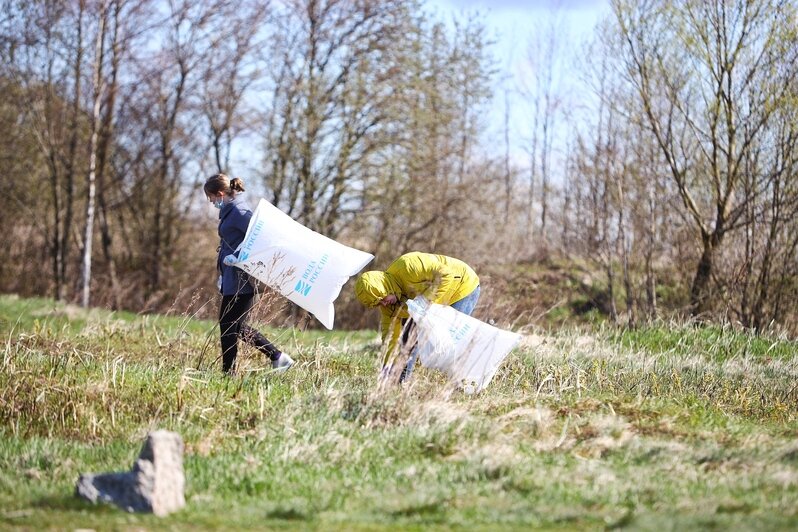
[(155, 484)]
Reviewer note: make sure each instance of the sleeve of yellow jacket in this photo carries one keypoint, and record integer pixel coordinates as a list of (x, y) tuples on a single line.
[(391, 328)]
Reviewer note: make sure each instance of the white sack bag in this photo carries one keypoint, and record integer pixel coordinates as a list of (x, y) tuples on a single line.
[(306, 267), (468, 350)]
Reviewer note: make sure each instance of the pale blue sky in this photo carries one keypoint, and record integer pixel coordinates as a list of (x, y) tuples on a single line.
[(516, 16), (512, 24)]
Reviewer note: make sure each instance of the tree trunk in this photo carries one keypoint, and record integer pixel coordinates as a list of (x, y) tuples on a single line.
[(631, 309), (611, 290), (106, 136), (763, 283), (95, 124), (508, 184), (651, 282), (700, 296)]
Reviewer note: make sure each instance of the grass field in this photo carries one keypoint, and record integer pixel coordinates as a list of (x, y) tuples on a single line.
[(663, 428)]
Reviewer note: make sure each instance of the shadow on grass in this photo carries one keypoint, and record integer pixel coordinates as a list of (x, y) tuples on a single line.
[(288, 514), (71, 503), (39, 511), (427, 512)]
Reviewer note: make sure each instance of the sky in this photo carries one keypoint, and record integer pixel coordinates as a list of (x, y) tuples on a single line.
[(512, 20), (512, 23)]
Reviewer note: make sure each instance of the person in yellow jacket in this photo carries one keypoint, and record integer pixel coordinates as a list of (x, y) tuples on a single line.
[(440, 279)]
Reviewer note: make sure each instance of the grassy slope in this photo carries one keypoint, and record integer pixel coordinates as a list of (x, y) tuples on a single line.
[(663, 428)]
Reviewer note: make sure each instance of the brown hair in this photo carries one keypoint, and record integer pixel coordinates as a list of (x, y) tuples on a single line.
[(221, 183)]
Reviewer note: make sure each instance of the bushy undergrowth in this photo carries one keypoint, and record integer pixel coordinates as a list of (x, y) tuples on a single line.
[(667, 427)]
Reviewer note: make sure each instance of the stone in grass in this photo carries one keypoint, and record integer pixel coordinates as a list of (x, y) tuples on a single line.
[(155, 484)]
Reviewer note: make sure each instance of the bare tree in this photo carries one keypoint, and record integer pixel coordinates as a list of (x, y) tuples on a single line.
[(226, 76), (191, 36), (420, 190), (703, 75), (545, 57), (333, 70), (105, 141), (52, 53), (99, 50)]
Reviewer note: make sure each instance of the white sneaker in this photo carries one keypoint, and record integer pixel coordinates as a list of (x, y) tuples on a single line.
[(282, 363)]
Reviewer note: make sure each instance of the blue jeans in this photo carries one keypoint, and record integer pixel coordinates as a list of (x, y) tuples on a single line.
[(465, 305)]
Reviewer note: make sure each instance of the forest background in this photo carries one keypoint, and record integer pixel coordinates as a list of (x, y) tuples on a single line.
[(667, 187)]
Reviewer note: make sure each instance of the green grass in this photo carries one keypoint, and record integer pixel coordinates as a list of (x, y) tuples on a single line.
[(719, 343), (664, 428)]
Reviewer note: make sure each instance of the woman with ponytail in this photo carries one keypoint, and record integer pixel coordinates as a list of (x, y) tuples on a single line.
[(238, 292)]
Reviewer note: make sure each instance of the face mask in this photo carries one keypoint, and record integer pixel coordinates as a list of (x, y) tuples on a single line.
[(218, 203)]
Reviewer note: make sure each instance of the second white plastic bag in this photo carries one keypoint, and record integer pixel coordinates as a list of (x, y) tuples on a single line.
[(304, 266), (468, 350)]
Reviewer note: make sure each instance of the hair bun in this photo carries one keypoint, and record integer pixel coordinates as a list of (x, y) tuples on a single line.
[(237, 184)]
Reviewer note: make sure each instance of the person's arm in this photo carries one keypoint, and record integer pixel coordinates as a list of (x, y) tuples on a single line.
[(390, 328), (235, 229), (239, 219)]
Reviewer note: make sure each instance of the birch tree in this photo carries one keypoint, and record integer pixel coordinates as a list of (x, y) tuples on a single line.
[(97, 94)]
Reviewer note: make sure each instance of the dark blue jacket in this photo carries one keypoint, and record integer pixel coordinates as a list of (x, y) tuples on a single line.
[(233, 221)]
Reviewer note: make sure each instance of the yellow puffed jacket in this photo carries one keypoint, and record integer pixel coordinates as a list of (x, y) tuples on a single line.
[(440, 279)]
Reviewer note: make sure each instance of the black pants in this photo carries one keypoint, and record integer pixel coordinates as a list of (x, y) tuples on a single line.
[(232, 325)]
